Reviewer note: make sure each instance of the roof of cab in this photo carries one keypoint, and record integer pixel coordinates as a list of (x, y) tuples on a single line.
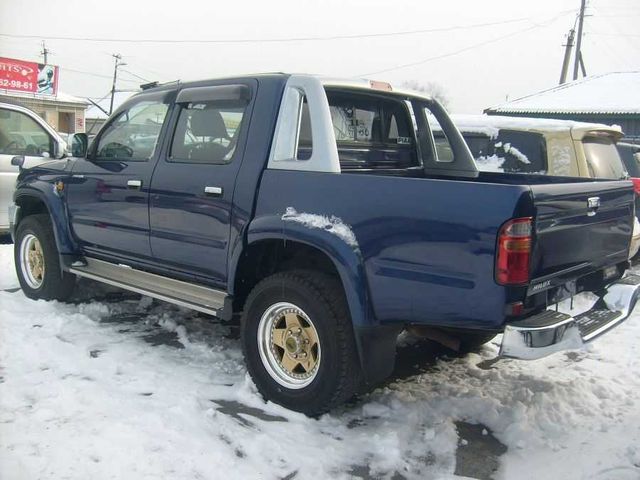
[(355, 83), (491, 124)]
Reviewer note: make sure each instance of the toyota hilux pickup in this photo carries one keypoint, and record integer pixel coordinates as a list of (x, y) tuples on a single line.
[(321, 216)]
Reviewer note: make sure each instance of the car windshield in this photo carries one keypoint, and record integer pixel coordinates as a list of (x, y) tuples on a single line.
[(602, 157)]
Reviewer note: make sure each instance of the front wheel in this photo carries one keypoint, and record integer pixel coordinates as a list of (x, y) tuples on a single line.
[(38, 263), (298, 341)]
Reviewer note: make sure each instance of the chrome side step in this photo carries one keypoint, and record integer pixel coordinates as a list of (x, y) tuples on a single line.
[(196, 297)]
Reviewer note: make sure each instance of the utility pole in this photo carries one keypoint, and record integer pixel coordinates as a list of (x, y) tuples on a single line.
[(576, 63), (45, 53), (117, 63), (584, 70), (567, 56)]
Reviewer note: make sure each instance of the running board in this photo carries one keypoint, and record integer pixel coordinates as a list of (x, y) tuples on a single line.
[(196, 297)]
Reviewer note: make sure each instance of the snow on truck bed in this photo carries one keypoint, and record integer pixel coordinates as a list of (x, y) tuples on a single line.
[(129, 388)]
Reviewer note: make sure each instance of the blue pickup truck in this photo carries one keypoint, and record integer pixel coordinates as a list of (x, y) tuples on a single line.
[(320, 213)]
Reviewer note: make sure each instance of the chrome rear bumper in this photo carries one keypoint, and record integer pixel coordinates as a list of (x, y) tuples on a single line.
[(551, 331)]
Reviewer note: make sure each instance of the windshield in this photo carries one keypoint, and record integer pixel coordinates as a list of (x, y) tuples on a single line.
[(603, 159)]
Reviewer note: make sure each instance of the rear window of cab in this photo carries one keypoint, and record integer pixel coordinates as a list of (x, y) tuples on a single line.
[(371, 131)]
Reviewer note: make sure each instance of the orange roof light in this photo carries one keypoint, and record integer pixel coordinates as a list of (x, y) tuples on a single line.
[(380, 85)]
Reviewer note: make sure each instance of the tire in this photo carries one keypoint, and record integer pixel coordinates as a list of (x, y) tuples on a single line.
[(329, 374), (472, 341), (41, 277)]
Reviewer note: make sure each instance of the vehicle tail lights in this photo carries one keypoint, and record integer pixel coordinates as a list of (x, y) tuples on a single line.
[(514, 252), (636, 185)]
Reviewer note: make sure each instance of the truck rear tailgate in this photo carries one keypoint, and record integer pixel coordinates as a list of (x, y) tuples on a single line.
[(579, 228)]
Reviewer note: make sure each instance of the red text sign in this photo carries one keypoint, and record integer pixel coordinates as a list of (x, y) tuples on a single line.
[(22, 76)]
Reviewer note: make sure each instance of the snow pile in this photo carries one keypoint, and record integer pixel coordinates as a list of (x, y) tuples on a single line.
[(510, 149), (8, 277), (490, 163), (332, 224), (490, 125), (130, 388)]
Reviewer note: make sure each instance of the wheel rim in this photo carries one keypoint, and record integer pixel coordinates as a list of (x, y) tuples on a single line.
[(289, 345), (32, 261)]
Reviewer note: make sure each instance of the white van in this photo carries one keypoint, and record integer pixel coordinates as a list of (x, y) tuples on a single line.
[(22, 134)]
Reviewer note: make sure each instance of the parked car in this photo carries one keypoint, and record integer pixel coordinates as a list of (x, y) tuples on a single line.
[(26, 135), (549, 147), (630, 154), (323, 216)]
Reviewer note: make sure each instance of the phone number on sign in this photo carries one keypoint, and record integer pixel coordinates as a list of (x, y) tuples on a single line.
[(15, 84)]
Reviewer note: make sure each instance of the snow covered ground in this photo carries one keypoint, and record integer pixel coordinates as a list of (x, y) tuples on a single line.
[(128, 388)]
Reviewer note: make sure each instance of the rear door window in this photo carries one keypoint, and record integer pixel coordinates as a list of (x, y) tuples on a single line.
[(603, 159), (630, 155), (372, 132)]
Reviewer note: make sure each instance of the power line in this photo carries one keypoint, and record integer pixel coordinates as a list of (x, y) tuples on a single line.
[(274, 40), (135, 75), (622, 15), (614, 34), (99, 75), (465, 49)]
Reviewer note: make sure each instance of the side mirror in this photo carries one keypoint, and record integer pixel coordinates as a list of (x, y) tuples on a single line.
[(79, 144), (18, 161), (636, 156), (59, 150)]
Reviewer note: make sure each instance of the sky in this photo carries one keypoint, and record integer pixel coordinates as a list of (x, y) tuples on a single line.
[(478, 53)]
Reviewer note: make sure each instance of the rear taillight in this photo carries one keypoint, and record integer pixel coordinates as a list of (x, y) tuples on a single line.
[(636, 185), (514, 252)]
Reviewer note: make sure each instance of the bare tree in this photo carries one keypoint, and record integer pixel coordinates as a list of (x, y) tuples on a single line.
[(434, 89)]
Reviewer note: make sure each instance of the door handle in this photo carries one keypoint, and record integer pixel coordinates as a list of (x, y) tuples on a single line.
[(213, 191), (134, 183)]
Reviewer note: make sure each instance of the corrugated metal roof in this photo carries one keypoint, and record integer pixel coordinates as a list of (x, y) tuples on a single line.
[(613, 93)]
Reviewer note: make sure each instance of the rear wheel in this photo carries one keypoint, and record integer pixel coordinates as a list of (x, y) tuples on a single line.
[(298, 341), (38, 263)]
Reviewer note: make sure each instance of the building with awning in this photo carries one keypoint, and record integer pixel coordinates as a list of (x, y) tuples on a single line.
[(610, 98), (64, 112)]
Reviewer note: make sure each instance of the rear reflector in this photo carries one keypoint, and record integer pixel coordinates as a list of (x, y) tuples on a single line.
[(514, 252), (514, 309), (636, 185)]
